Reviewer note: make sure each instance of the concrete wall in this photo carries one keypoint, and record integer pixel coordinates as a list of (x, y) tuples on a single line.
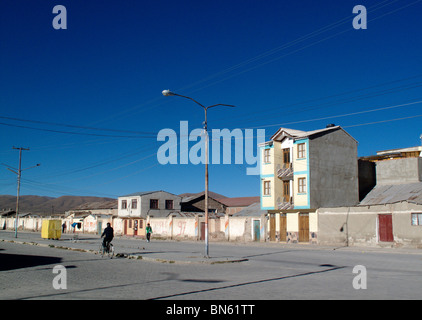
[(395, 171), (333, 170), (29, 223), (359, 225)]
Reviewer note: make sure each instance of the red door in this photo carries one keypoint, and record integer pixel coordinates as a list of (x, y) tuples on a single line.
[(202, 230), (385, 227)]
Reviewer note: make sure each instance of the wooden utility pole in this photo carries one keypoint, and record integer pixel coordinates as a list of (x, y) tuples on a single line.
[(19, 185), (18, 172)]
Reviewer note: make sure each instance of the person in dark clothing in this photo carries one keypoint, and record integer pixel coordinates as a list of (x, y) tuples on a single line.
[(149, 231), (108, 235)]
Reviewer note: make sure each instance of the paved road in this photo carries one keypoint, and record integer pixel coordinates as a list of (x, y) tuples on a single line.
[(267, 271)]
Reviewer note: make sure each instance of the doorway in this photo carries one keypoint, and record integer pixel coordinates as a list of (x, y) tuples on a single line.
[(283, 227), (256, 230), (385, 228), (203, 231), (303, 227)]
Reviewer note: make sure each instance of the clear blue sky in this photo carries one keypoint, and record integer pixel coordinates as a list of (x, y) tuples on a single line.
[(278, 61)]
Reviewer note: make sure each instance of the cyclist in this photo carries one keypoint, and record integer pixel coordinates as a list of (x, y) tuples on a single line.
[(108, 235)]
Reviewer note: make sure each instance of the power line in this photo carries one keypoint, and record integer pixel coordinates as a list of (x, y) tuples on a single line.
[(383, 121), (76, 126), (340, 115), (341, 101), (77, 133)]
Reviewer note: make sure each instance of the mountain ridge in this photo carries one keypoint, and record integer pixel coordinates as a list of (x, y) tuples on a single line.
[(47, 205)]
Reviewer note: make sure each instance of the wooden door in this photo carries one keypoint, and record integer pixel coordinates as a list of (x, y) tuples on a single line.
[(125, 227), (203, 231), (385, 227), (303, 227), (286, 191), (283, 227), (272, 227)]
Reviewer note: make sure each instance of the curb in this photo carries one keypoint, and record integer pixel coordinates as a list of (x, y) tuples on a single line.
[(128, 256)]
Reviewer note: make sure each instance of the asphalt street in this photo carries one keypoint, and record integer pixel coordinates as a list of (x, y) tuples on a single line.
[(173, 270)]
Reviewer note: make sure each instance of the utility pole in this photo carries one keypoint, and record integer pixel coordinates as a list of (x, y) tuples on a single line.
[(19, 173), (19, 186)]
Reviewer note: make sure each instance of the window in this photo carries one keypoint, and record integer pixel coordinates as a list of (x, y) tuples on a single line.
[(302, 185), (169, 204), (134, 204), (416, 219), (267, 155), (267, 188), (124, 204), (301, 152), (153, 203)]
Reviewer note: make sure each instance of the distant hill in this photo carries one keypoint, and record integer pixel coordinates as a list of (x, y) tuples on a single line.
[(47, 205)]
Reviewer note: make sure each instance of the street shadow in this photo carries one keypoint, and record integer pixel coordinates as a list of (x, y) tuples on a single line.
[(17, 261), (267, 254), (248, 283), (202, 280)]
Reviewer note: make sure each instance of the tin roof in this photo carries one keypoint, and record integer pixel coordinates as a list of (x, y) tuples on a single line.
[(239, 201), (386, 194), (254, 210), (298, 134)]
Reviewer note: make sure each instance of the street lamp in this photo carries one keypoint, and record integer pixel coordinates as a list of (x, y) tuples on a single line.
[(19, 173), (168, 93)]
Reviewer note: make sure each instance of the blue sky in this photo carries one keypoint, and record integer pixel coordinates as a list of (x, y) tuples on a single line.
[(279, 62)]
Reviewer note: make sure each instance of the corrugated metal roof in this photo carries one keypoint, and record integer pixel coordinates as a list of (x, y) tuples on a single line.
[(385, 194), (239, 201), (140, 193), (297, 134), (254, 210)]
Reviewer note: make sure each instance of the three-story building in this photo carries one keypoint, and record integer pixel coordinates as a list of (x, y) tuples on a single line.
[(302, 171)]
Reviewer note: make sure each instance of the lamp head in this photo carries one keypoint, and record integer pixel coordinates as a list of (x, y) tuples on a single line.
[(167, 93)]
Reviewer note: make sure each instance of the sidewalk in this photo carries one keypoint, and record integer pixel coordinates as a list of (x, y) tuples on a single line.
[(162, 251), (182, 252)]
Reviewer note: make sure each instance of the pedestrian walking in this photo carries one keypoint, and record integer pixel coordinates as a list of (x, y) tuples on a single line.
[(149, 231), (64, 227)]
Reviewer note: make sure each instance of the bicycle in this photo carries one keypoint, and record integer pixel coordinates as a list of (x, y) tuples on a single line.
[(106, 250)]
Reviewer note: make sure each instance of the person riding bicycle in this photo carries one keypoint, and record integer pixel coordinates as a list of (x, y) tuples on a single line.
[(108, 235)]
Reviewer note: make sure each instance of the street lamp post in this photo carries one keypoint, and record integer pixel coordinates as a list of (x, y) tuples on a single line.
[(19, 173), (169, 93)]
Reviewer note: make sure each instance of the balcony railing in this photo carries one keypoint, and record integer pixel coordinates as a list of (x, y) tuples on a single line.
[(285, 202), (286, 172)]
